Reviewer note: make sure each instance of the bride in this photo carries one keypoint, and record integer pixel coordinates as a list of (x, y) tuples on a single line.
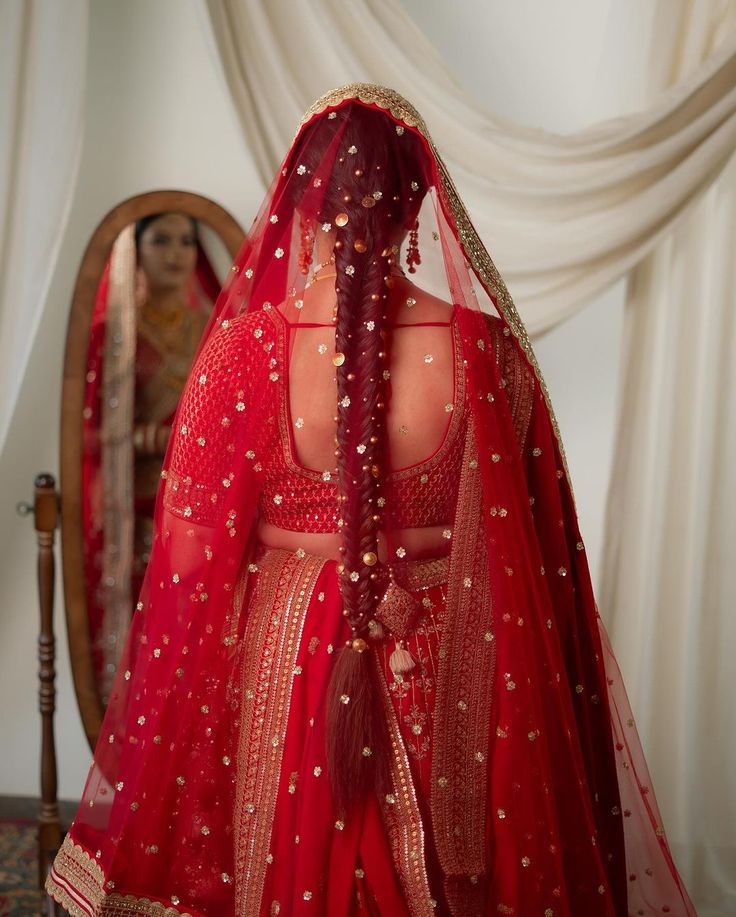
[(366, 674)]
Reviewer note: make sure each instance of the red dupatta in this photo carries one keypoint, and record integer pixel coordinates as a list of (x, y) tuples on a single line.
[(526, 671)]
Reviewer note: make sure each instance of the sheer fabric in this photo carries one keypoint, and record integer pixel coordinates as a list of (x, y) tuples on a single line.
[(517, 781)]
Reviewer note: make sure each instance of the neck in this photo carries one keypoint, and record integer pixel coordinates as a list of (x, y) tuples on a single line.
[(167, 302)]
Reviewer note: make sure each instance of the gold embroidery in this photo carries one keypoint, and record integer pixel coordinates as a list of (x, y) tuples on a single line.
[(75, 869), (519, 387), (397, 610), (402, 110), (271, 642), (391, 101), (401, 815), (464, 682), (421, 572)]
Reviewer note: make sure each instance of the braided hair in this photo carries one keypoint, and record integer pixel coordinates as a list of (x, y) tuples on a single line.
[(377, 184)]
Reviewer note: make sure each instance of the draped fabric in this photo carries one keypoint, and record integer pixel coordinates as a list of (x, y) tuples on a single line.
[(667, 586), (496, 760), (42, 69), (565, 215)]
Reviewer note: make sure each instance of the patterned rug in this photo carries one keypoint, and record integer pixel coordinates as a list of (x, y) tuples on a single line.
[(19, 893)]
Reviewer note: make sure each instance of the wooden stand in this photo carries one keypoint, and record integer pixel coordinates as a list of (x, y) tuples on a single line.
[(46, 517)]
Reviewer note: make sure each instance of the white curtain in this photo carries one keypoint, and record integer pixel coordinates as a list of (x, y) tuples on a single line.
[(668, 582), (564, 216), (42, 71)]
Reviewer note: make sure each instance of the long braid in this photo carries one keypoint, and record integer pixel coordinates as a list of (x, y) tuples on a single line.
[(372, 193), (358, 742)]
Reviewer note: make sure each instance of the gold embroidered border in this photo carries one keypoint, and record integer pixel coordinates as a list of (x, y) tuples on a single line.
[(402, 110), (402, 817), (464, 685), (271, 642), (421, 572), (519, 383), (76, 868)]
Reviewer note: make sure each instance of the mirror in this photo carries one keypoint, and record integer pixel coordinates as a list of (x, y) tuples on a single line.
[(144, 293)]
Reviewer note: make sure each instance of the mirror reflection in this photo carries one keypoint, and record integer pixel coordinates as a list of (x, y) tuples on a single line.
[(152, 304)]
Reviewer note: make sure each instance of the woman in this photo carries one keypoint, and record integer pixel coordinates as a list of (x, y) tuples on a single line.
[(367, 673), (152, 305)]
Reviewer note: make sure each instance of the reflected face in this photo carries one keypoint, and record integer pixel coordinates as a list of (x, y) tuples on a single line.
[(167, 251)]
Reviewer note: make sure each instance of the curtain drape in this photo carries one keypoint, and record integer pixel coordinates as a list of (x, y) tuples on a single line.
[(42, 72), (565, 216), (668, 587)]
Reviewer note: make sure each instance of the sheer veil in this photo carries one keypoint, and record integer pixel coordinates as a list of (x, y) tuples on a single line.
[(537, 767)]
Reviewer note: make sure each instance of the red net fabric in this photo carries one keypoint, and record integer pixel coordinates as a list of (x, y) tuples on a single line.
[(535, 798)]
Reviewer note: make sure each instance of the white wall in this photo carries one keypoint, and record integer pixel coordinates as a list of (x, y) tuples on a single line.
[(158, 116)]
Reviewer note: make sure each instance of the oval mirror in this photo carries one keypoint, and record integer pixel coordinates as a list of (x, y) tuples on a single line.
[(145, 290)]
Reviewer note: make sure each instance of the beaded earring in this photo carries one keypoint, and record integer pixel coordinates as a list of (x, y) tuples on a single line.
[(306, 250), (412, 255)]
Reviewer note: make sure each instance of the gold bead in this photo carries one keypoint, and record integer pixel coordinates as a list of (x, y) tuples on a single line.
[(373, 439), (338, 242), (375, 470), (359, 645), (351, 377), (360, 246), (381, 354), (358, 173), (341, 219), (338, 359), (375, 297), (368, 201), (347, 198), (369, 558), (340, 568)]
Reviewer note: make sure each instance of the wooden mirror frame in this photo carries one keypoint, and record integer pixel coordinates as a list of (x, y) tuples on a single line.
[(72, 404)]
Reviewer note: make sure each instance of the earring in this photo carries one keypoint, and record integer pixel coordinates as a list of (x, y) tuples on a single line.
[(412, 254), (306, 249)]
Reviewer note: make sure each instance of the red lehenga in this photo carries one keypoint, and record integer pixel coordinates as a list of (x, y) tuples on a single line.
[(517, 780)]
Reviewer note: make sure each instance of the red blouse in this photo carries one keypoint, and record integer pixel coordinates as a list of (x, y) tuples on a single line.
[(423, 494)]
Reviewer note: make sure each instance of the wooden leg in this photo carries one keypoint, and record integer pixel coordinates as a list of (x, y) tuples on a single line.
[(46, 514)]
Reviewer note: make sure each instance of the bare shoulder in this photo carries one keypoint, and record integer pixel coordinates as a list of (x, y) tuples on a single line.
[(422, 306)]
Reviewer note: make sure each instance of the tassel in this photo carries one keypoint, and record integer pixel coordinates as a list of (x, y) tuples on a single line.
[(401, 660), (358, 742)]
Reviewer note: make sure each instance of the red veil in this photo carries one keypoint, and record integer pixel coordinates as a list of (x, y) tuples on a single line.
[(540, 800)]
